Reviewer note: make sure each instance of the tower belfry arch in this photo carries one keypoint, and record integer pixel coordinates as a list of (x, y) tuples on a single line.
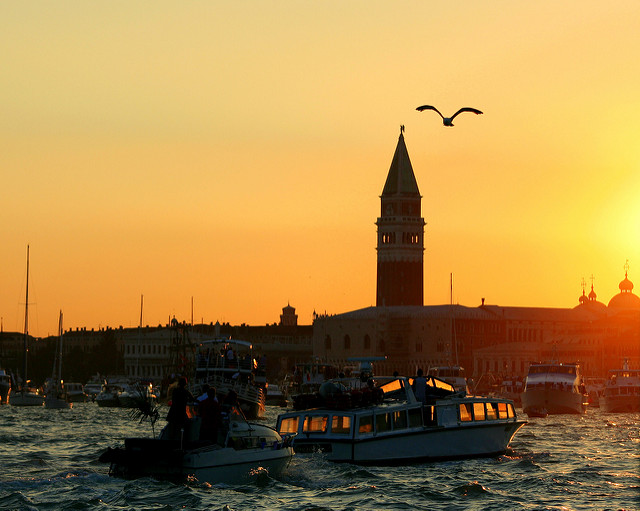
[(400, 226)]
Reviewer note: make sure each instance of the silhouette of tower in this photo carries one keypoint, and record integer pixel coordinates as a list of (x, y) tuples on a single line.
[(400, 235)]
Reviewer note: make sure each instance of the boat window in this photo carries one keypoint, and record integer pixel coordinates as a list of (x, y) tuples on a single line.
[(492, 411), (502, 411), (392, 386), (465, 412), (415, 417), (383, 422), (511, 411), (365, 424), (289, 425), (341, 424), (315, 424), (399, 419), (478, 411)]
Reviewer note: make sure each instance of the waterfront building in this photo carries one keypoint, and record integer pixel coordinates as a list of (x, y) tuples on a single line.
[(486, 339)]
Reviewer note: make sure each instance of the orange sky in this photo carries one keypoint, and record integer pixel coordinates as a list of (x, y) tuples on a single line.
[(234, 152)]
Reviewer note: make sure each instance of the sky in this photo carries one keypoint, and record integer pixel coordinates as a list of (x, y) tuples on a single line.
[(231, 155)]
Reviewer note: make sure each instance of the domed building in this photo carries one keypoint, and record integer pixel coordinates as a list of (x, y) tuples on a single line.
[(590, 301), (625, 300)]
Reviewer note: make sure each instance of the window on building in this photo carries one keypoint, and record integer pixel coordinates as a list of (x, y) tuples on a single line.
[(347, 342), (327, 342), (367, 342)]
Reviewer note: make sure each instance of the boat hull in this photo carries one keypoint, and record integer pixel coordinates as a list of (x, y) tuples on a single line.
[(421, 444), (26, 399), (553, 401), (55, 403), (163, 459), (620, 404)]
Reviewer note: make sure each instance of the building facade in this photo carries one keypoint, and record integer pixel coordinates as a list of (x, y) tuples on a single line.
[(488, 339)]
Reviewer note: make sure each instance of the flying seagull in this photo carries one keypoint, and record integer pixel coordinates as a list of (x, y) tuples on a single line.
[(448, 121)]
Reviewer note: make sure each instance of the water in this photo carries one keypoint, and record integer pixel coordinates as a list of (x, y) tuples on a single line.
[(49, 461)]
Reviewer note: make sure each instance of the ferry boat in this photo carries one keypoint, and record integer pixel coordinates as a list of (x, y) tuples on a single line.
[(383, 423), (228, 364), (622, 391), (242, 448), (554, 388)]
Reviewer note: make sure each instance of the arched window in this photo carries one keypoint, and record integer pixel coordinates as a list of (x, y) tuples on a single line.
[(327, 342), (347, 342), (367, 342)]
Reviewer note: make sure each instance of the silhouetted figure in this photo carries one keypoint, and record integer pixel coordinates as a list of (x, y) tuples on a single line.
[(177, 416), (420, 386), (210, 416)]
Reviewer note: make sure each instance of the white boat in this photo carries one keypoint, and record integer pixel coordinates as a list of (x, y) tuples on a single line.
[(56, 396), (228, 364), (386, 424), (277, 395), (26, 396), (75, 392), (555, 388), (109, 396), (243, 448), (133, 393), (5, 387), (94, 386), (622, 391), (455, 375)]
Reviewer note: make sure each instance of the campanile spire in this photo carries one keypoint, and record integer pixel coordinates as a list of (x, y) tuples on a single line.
[(400, 235)]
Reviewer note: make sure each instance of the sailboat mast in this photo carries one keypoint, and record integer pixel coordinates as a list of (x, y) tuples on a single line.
[(59, 382), (26, 327)]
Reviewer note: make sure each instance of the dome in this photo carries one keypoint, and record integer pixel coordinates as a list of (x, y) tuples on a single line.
[(626, 284), (625, 299), (590, 302)]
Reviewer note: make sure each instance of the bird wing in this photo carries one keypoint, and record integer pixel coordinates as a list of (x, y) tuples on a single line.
[(466, 109), (429, 107)]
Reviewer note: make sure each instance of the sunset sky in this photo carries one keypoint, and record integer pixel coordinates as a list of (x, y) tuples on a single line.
[(235, 152)]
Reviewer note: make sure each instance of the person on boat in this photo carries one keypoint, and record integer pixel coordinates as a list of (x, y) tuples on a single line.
[(210, 416), (420, 386), (177, 416)]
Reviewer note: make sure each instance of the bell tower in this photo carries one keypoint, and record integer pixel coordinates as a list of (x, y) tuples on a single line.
[(400, 235)]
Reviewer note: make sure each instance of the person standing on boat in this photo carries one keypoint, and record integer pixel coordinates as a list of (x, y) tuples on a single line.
[(210, 416), (420, 386), (177, 416)]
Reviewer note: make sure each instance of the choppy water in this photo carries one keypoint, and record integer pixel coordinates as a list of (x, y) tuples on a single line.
[(49, 461)]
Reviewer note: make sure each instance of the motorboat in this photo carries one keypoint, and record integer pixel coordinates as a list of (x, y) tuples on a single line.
[(622, 391), (277, 395), (554, 387), (382, 422), (5, 387), (227, 365), (242, 448), (109, 396), (94, 386), (75, 392), (132, 394)]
